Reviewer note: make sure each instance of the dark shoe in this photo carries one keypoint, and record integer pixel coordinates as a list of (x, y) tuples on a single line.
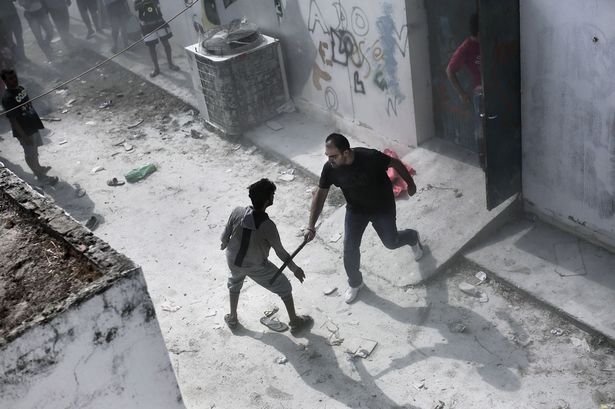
[(173, 67), (154, 73), (90, 34), (302, 322)]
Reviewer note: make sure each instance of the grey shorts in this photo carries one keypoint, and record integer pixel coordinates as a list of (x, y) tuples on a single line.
[(261, 275)]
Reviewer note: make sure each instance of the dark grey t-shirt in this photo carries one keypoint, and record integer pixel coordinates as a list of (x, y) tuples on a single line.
[(365, 183)]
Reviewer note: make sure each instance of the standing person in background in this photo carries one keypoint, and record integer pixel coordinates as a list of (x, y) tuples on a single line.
[(118, 14), (58, 10), (87, 9), (154, 28), (468, 55), (38, 19), (12, 25), (25, 123)]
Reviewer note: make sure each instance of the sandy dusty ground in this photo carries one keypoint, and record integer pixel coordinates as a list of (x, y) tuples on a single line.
[(434, 343)]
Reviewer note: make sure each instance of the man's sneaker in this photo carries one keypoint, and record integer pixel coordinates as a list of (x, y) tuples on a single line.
[(351, 293), (417, 249)]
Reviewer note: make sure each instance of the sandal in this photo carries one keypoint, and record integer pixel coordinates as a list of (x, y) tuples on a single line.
[(115, 182), (274, 324), (231, 322), (302, 322)]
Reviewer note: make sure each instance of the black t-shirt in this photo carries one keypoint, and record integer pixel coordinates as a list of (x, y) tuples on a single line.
[(25, 115), (365, 183), (150, 15)]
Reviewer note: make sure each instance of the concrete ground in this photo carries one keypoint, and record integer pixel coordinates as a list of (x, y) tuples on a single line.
[(434, 343), (569, 274)]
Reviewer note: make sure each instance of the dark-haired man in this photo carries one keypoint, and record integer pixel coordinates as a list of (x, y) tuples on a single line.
[(361, 173), (25, 123), (247, 239)]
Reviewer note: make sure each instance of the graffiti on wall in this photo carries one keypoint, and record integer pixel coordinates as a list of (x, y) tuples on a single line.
[(367, 50)]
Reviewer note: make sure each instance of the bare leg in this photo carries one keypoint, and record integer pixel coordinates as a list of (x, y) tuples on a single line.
[(290, 308), (168, 52), (234, 301), (154, 56)]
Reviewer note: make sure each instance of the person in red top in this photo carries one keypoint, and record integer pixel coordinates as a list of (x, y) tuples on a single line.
[(468, 55)]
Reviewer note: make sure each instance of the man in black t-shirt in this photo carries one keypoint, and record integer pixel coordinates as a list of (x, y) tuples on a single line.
[(361, 173), (25, 123)]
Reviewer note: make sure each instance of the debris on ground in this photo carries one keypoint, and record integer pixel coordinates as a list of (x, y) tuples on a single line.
[(287, 175), (472, 291), (274, 126), (557, 332), (194, 134), (79, 191), (210, 313), (420, 385), (439, 405), (522, 339), (140, 173), (51, 119), (97, 169), (330, 290), (334, 333), (64, 111), (456, 327), (364, 348), (105, 104), (115, 182), (63, 142), (281, 360), (128, 147), (580, 343), (170, 306), (139, 122), (92, 223)]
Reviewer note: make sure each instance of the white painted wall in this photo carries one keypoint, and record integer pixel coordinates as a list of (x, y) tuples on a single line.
[(568, 108), (107, 352), (367, 91)]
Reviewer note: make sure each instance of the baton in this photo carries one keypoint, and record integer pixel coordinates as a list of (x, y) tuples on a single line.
[(301, 246)]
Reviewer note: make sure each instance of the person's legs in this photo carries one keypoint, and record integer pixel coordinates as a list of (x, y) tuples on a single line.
[(15, 28), (61, 19), (93, 8), (169, 53), (83, 10), (354, 227), (386, 227), (37, 31), (45, 22), (114, 22), (234, 285), (151, 46)]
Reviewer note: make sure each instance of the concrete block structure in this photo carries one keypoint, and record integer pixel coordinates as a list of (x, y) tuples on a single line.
[(97, 344)]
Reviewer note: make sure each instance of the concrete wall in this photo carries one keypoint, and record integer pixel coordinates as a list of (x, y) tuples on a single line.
[(568, 108), (98, 347), (107, 352)]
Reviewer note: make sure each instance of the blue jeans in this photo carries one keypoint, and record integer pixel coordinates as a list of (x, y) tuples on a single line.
[(386, 227)]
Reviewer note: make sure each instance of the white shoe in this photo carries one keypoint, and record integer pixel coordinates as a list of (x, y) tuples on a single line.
[(351, 293), (417, 249)]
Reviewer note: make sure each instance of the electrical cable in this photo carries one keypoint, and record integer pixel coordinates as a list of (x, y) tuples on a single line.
[(62, 85)]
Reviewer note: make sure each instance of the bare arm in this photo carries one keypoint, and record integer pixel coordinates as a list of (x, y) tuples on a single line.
[(273, 237), (226, 234), (452, 77), (405, 175), (318, 201)]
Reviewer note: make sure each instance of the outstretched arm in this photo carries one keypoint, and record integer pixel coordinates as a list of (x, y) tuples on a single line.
[(318, 201)]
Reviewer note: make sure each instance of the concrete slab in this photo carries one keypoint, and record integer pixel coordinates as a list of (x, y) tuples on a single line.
[(561, 270), (448, 210)]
